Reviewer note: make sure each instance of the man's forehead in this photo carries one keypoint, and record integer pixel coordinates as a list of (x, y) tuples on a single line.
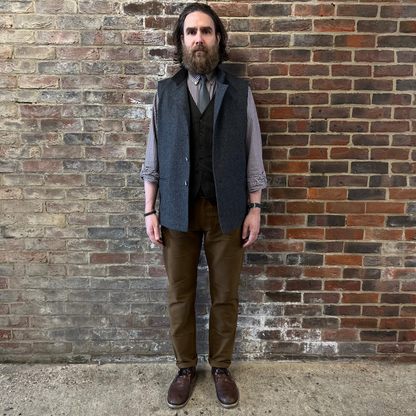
[(198, 19)]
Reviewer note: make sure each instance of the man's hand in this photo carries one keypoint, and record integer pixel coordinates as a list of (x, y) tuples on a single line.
[(152, 229), (251, 226)]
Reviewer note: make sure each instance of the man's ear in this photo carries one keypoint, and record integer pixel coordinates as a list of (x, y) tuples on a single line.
[(218, 37), (182, 39)]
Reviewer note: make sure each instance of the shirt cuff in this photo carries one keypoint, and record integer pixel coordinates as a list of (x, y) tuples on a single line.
[(256, 183), (149, 175)]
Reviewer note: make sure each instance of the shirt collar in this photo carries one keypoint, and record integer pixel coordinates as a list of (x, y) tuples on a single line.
[(211, 77)]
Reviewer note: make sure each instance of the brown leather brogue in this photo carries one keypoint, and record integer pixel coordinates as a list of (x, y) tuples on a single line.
[(180, 390), (227, 391)]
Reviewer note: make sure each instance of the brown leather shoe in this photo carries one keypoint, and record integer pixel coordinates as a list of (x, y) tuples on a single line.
[(227, 391), (180, 389)]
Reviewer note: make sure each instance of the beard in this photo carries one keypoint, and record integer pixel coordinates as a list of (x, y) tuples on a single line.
[(201, 63)]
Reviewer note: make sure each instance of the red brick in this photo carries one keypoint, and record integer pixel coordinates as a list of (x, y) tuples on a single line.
[(274, 154), (345, 207), (393, 71), (302, 70), (298, 84), (305, 234), (320, 10), (288, 139), (349, 126), (284, 166), (283, 271), (308, 98), (383, 234), (349, 153), (307, 126), (290, 55), (389, 207), (41, 166), (344, 234), (324, 272), (283, 220), (358, 322), (360, 297), (332, 56), (287, 193), (334, 25), (305, 207), (407, 336), (289, 112), (365, 220), (308, 153), (41, 82), (249, 55), (368, 113), (355, 41), (339, 285), (389, 154), (58, 37), (395, 348), (329, 139), (409, 286), (330, 112), (327, 194), (102, 258), (27, 257), (397, 323), (380, 311), (231, 9), (75, 53), (40, 111), (410, 235), (5, 335), (331, 84), (273, 126), (389, 126), (343, 260)]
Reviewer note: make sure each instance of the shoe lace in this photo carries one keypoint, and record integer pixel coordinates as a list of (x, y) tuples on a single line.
[(184, 371), (221, 371)]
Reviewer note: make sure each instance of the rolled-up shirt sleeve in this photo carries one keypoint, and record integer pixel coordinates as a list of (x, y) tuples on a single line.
[(256, 176), (150, 168)]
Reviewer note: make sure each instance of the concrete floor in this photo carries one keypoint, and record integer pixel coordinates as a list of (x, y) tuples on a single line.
[(266, 388)]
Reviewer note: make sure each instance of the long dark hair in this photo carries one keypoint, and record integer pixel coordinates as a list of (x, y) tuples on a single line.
[(219, 28)]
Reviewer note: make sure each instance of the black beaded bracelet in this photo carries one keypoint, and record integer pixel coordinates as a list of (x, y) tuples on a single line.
[(149, 213)]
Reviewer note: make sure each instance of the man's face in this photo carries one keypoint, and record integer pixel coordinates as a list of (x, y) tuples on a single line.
[(200, 44)]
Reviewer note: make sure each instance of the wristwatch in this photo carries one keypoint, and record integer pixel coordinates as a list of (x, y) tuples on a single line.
[(254, 205)]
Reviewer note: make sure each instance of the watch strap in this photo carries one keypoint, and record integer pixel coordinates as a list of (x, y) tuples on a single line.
[(254, 205)]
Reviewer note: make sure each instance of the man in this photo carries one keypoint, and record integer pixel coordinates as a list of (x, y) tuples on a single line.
[(204, 158)]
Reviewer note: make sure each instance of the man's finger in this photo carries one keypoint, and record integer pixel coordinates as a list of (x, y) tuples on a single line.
[(245, 230), (250, 241)]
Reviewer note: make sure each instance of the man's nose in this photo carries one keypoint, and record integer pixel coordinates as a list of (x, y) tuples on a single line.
[(198, 38)]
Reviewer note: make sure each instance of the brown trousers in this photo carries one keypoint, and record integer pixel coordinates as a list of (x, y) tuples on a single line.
[(224, 253)]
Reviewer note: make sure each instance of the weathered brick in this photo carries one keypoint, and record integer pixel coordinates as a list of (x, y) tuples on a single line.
[(106, 233)]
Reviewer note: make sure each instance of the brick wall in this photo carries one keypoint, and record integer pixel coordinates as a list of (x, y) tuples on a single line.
[(334, 271)]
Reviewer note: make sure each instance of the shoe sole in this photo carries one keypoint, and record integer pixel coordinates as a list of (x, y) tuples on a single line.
[(179, 406), (229, 406)]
